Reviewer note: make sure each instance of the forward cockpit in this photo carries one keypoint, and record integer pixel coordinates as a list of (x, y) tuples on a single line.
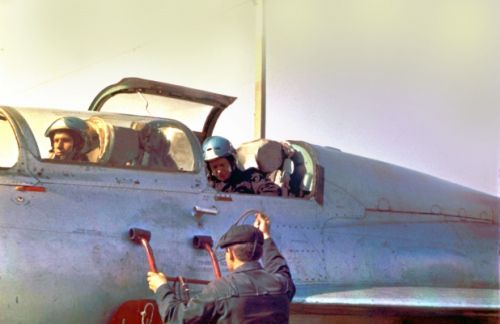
[(124, 141)]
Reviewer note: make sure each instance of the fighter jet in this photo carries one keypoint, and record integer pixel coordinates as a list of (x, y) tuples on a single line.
[(362, 237)]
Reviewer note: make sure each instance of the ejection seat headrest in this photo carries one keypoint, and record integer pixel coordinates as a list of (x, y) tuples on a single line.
[(100, 139), (112, 145), (266, 155), (154, 145)]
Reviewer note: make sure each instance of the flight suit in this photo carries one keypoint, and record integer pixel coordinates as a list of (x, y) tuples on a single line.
[(251, 181), (250, 294)]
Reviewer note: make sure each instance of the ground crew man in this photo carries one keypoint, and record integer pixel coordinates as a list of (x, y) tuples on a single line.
[(68, 138), (249, 294), (225, 175)]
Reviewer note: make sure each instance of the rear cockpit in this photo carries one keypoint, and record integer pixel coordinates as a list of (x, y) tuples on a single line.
[(288, 164)]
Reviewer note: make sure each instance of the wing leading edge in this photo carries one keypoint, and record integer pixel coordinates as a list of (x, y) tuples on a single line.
[(397, 301)]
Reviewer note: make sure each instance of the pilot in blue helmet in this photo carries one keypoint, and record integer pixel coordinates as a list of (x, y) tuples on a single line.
[(224, 174)]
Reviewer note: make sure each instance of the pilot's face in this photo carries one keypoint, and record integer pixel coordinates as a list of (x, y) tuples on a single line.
[(63, 145), (221, 168)]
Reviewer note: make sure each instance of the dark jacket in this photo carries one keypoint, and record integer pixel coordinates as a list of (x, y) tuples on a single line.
[(250, 294), (250, 181)]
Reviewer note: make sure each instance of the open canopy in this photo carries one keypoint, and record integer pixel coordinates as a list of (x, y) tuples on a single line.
[(197, 109)]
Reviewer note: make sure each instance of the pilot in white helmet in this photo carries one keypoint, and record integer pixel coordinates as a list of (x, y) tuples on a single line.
[(68, 138)]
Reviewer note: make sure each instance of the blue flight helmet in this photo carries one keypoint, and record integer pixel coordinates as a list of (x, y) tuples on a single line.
[(216, 147)]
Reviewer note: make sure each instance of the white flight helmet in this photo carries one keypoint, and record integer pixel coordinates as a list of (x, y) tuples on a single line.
[(75, 126)]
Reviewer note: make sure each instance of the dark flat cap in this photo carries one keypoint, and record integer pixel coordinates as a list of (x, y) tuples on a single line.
[(239, 234)]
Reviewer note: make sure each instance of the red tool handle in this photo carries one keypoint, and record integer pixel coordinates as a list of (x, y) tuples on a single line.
[(215, 264), (149, 255)]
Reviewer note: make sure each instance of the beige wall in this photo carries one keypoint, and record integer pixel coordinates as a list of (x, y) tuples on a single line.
[(409, 82)]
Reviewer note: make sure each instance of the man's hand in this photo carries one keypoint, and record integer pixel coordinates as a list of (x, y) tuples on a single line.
[(263, 224), (155, 280)]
